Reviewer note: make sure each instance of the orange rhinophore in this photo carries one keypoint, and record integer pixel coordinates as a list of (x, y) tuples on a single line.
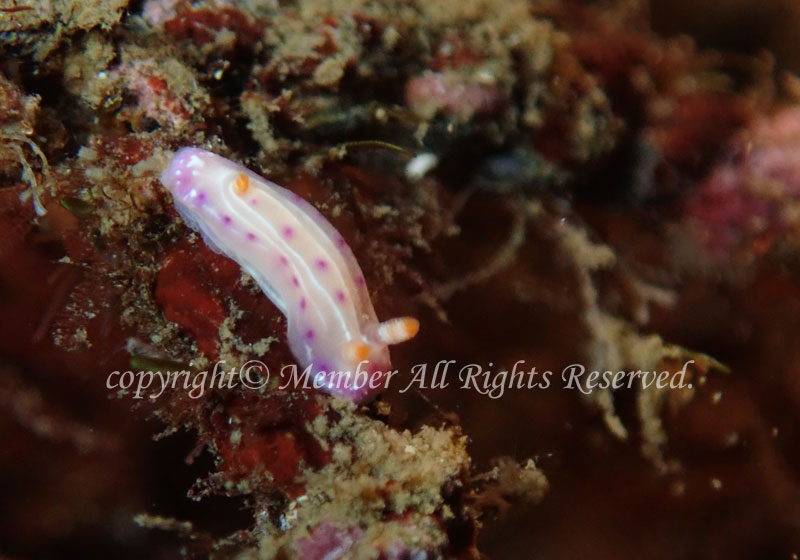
[(398, 330)]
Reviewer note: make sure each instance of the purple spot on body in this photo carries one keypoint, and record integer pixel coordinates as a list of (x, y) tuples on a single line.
[(227, 220), (251, 236), (288, 232), (201, 197), (284, 260), (302, 303), (322, 264), (254, 202), (309, 334), (340, 296), (360, 281), (341, 242), (295, 281)]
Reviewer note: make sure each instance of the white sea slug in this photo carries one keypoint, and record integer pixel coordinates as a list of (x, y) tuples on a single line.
[(300, 262)]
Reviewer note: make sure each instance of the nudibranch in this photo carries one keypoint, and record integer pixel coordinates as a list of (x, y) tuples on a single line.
[(300, 262)]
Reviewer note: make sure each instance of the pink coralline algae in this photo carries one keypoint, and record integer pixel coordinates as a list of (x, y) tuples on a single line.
[(156, 12), (452, 94), (327, 542), (156, 100), (753, 200)]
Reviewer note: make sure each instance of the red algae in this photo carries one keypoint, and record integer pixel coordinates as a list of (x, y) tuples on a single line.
[(270, 436), (192, 305), (202, 25)]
